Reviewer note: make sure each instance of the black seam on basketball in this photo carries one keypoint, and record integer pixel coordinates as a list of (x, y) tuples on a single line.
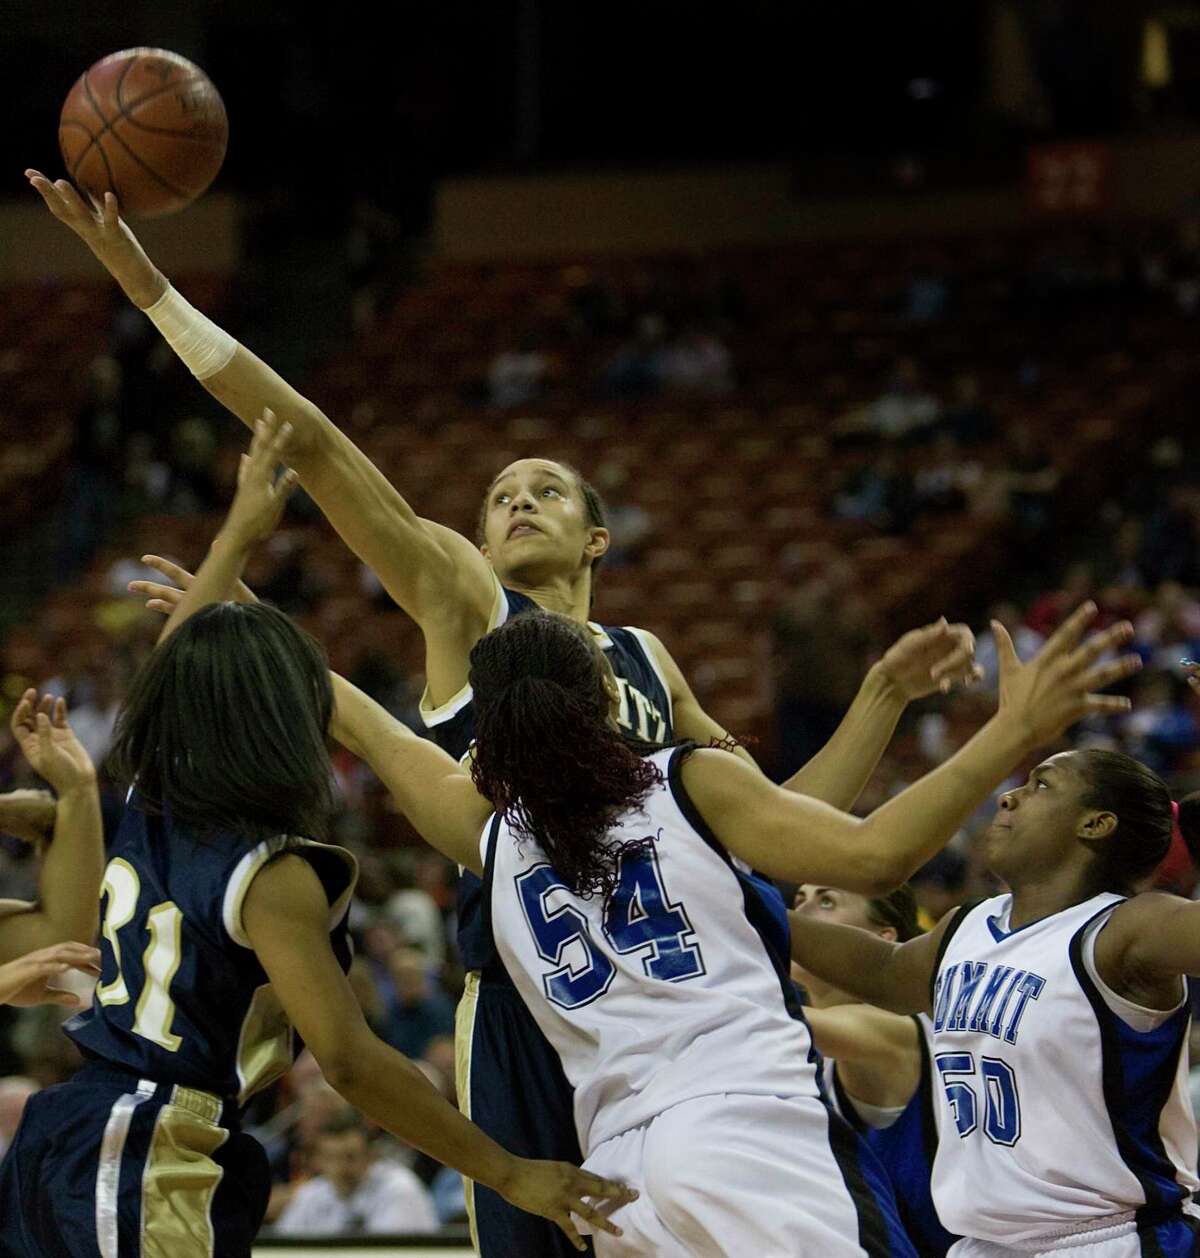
[(159, 91), (112, 183), (178, 135), (121, 82), (74, 122), (87, 87), (170, 187)]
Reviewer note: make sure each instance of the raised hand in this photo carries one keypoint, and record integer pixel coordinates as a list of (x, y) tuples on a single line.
[(1059, 685), (260, 499), (558, 1190), (161, 597), (27, 980), (49, 744), (100, 226), (934, 657)]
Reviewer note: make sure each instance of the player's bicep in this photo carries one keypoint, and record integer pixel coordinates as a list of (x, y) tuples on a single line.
[(285, 915), (913, 967)]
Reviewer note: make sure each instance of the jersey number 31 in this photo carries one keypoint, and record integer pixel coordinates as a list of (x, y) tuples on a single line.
[(638, 918)]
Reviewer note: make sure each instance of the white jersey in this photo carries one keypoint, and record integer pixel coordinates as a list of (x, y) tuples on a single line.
[(1061, 1103), (666, 994)]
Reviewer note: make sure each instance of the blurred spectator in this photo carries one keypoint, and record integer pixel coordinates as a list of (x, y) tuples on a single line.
[(1161, 724), (879, 492), (97, 462), (629, 526), (15, 1090), (1026, 641), (418, 1011), (634, 371), (1050, 609), (517, 376), (940, 885), (354, 1194), (1032, 480), (696, 362), (967, 419), (94, 707), (417, 919), (946, 478), (820, 643), (1169, 630), (905, 409)]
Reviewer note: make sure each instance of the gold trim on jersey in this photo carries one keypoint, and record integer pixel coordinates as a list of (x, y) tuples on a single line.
[(264, 1045), (464, 1037), (180, 1178), (440, 714)]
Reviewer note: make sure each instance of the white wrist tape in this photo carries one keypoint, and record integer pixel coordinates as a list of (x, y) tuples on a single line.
[(203, 347)]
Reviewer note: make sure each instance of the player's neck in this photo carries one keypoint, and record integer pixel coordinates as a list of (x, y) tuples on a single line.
[(1052, 893), (567, 596)]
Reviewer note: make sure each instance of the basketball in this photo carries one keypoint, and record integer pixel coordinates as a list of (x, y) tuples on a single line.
[(147, 125)]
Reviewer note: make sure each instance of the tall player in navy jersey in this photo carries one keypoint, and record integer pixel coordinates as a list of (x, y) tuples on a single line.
[(1060, 1021), (224, 945), (541, 533), (876, 1066)]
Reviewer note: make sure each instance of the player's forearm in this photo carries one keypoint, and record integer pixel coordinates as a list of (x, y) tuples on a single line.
[(68, 896), (389, 1089), (838, 772), (128, 263), (856, 961), (913, 826), (215, 581)]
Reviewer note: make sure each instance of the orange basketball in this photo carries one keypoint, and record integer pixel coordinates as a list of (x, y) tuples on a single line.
[(146, 124)]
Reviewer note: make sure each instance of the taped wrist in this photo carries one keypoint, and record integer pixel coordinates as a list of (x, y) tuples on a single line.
[(203, 347)]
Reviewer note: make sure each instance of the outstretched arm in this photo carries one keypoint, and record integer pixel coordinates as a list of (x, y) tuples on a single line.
[(791, 836), (1150, 943), (895, 976), (436, 575), (286, 918), (432, 789), (865, 1035), (68, 900), (918, 664)]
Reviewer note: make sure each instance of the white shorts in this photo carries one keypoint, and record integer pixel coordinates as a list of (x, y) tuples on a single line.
[(724, 1175), (1119, 1239)]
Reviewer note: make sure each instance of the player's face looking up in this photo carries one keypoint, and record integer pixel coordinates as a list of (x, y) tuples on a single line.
[(891, 917), (1100, 811), (541, 520)]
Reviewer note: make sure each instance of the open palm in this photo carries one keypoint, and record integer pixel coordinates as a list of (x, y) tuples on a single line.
[(48, 742)]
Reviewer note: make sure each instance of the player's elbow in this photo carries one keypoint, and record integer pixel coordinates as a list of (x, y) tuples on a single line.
[(874, 871)]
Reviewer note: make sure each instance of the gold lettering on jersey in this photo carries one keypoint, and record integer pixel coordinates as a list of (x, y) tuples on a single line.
[(639, 715), (119, 890)]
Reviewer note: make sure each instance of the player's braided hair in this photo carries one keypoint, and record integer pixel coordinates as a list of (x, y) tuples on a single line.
[(547, 755)]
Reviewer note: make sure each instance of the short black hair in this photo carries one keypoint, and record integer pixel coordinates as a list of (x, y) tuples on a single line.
[(342, 1122), (224, 726)]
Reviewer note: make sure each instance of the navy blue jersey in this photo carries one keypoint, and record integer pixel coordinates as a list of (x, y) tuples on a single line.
[(182, 997), (907, 1148), (645, 714)]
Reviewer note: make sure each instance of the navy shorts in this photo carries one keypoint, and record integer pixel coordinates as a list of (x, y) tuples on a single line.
[(511, 1083), (110, 1166)]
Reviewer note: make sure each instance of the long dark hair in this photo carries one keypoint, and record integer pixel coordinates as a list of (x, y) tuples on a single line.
[(546, 754), (1141, 802), (224, 726)]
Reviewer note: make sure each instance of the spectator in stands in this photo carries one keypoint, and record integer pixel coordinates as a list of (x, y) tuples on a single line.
[(97, 462), (416, 917), (967, 419), (946, 478), (906, 410), (418, 1010), (355, 1194), (95, 702), (1169, 629), (1161, 724), (629, 526), (634, 370), (820, 641), (697, 362), (1171, 539), (517, 376), (879, 492), (1050, 609), (14, 1092), (1026, 640), (1032, 479)]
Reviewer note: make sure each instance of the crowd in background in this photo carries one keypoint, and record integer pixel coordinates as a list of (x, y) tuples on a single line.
[(913, 453)]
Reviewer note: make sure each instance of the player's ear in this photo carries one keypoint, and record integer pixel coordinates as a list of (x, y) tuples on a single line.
[(888, 933), (597, 544), (1096, 824)]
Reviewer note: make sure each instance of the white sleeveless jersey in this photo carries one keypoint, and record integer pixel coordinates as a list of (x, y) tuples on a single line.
[(1055, 1110), (669, 993)]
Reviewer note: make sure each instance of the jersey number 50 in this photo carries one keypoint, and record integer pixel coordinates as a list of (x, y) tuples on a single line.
[(1001, 1101), (638, 918)]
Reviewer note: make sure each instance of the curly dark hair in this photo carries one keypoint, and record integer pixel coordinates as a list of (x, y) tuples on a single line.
[(547, 755)]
